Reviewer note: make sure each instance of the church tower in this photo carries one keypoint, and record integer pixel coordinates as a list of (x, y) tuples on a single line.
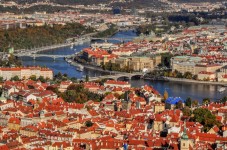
[(184, 141)]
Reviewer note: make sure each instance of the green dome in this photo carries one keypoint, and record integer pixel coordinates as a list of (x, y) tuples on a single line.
[(184, 136)]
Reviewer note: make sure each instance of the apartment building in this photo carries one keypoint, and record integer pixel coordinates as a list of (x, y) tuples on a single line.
[(138, 63), (192, 64), (222, 74), (25, 72)]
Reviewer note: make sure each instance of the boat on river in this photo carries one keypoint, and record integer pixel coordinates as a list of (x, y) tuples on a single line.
[(80, 68), (71, 47), (221, 89)]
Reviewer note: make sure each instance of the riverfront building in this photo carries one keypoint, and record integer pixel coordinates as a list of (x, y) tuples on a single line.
[(138, 63), (25, 72), (113, 83), (195, 66)]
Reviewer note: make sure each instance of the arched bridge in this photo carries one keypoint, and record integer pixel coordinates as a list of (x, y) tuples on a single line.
[(115, 39), (34, 56), (117, 76)]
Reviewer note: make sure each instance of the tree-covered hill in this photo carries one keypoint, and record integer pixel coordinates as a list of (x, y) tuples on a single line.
[(196, 1), (40, 36)]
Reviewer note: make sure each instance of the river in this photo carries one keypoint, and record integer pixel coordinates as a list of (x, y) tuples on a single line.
[(176, 89)]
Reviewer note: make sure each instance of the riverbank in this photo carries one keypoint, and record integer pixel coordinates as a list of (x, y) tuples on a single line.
[(174, 89), (78, 41), (193, 81)]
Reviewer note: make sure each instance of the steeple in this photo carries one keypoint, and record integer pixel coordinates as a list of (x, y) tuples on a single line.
[(2, 98), (184, 136)]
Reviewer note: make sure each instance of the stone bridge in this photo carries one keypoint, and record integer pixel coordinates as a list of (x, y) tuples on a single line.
[(34, 56), (118, 76), (115, 39)]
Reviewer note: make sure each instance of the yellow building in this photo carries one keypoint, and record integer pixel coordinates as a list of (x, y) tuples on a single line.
[(25, 72), (159, 107), (206, 68), (29, 131), (138, 63), (206, 76), (14, 124)]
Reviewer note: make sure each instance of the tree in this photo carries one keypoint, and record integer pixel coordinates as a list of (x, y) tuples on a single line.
[(195, 77), (87, 78), (33, 77), (59, 75), (77, 93), (41, 78), (1, 79), (206, 101), (74, 79), (188, 102), (179, 105), (15, 78), (166, 95), (186, 111), (53, 89), (179, 75), (195, 103), (88, 123), (188, 75), (224, 99), (205, 117), (76, 87)]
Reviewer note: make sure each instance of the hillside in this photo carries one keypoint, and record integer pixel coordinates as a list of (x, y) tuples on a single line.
[(45, 35), (196, 1)]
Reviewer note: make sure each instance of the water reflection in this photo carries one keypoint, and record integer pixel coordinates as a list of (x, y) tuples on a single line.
[(184, 90)]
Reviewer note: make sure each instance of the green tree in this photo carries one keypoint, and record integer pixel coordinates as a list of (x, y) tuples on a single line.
[(77, 93), (15, 78), (224, 99), (41, 78), (195, 103), (33, 77), (53, 89), (205, 117), (179, 105), (179, 75), (76, 87), (186, 111), (74, 79), (87, 78), (59, 75), (188, 102), (188, 75), (206, 101), (1, 79), (195, 77)]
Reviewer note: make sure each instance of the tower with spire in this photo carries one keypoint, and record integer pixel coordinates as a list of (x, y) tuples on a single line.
[(185, 142), (2, 98)]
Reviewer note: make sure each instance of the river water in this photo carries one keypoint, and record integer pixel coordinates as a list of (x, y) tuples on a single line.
[(176, 89)]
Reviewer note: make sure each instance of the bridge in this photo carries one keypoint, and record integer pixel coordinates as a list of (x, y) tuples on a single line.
[(40, 49), (115, 39), (34, 56), (118, 76), (76, 41)]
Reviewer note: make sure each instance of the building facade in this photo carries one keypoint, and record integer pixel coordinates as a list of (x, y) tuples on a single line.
[(25, 72)]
